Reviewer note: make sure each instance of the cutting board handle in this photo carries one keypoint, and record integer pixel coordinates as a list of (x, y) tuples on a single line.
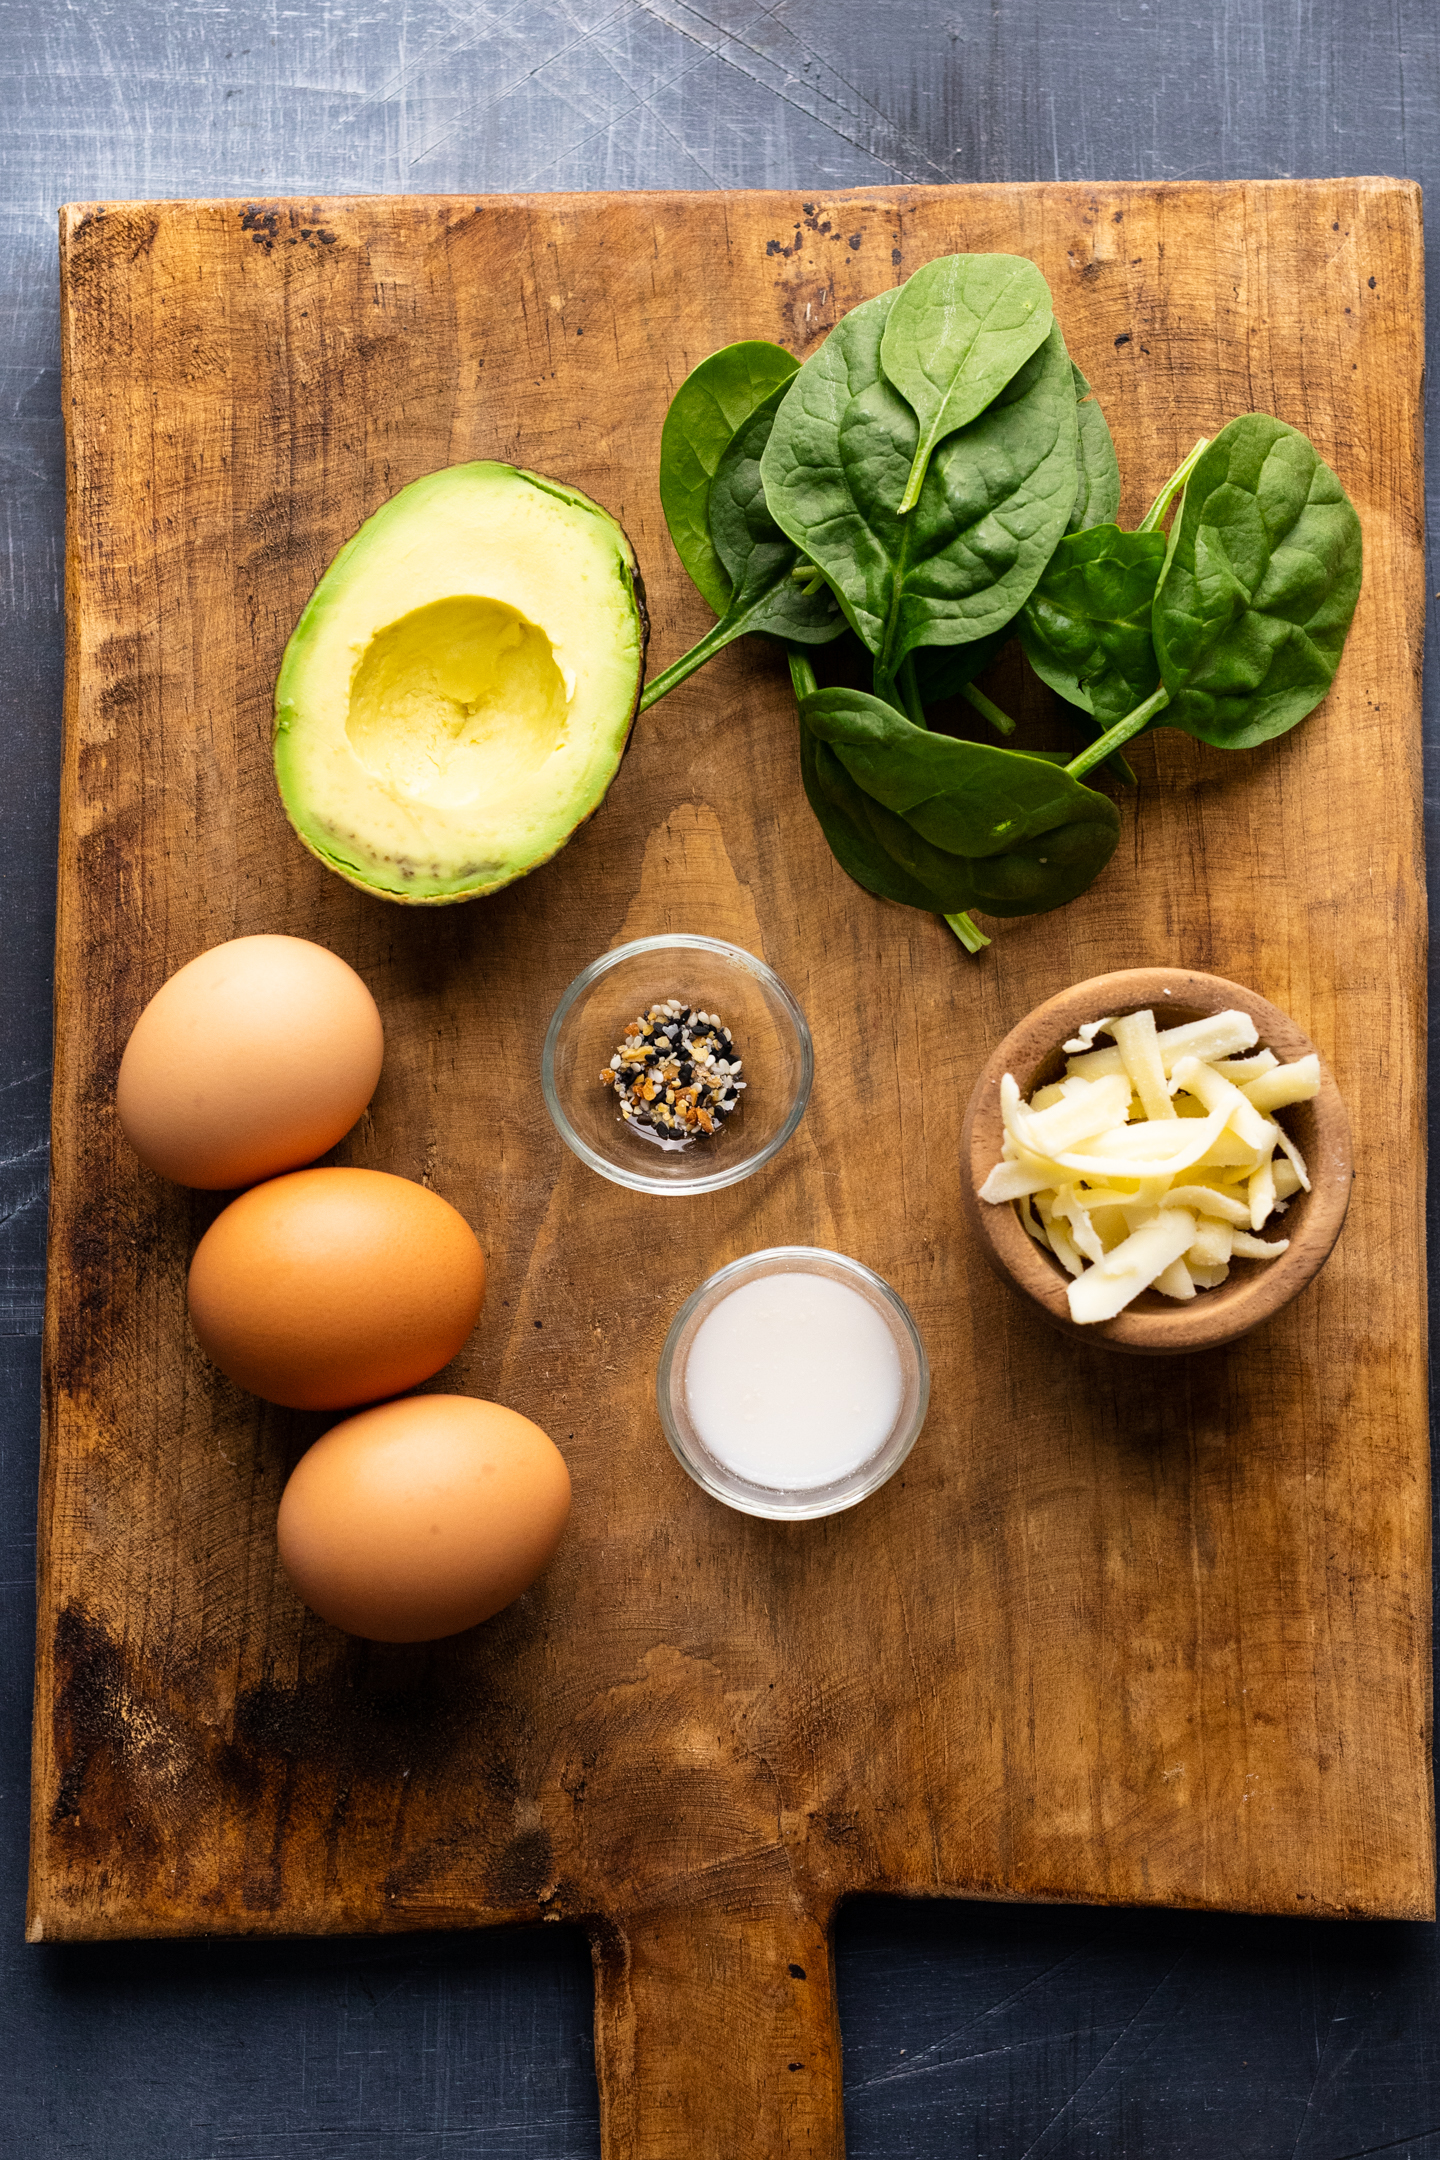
[(716, 2037)]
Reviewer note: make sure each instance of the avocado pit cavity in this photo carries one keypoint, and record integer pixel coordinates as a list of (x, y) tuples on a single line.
[(456, 700)]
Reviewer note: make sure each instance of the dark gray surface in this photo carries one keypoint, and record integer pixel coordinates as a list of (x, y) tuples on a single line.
[(1026, 2034)]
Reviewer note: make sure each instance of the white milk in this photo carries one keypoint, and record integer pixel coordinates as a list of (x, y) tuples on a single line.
[(793, 1380)]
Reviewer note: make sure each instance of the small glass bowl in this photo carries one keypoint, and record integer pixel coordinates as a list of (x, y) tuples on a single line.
[(776, 1502), (771, 1040)]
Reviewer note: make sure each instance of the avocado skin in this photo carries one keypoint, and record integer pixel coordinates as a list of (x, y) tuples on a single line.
[(394, 880)]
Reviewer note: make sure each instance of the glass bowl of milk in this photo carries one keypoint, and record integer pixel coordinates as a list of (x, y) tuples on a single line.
[(769, 1062), (793, 1383)]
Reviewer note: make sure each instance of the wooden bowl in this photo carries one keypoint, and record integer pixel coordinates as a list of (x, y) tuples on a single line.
[(1156, 1326)]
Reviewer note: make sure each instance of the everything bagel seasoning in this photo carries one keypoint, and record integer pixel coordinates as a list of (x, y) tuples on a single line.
[(676, 1074)]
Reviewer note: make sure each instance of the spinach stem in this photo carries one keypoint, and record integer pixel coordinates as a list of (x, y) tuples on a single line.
[(909, 690), (1000, 721), (919, 465), (970, 935), (715, 640), (885, 670), (1095, 753), (803, 679), (1155, 516)]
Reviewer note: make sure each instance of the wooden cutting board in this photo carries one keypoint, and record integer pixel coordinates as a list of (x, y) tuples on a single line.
[(1120, 1631)]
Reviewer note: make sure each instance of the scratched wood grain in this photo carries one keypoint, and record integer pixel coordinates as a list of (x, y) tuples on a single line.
[(1119, 1632)]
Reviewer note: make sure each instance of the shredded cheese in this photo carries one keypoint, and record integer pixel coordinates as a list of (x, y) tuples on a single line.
[(1153, 1164)]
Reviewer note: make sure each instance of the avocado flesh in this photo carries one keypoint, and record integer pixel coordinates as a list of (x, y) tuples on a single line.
[(457, 695)]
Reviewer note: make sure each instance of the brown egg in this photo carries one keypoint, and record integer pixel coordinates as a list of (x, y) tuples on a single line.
[(253, 1059), (333, 1287), (422, 1517)]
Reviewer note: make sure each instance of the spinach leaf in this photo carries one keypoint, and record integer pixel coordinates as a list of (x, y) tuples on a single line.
[(1259, 584), (948, 671), (1258, 587), (1097, 499), (994, 502), (841, 809), (1021, 834), (706, 413), (1086, 626), (1053, 671), (757, 559), (959, 329)]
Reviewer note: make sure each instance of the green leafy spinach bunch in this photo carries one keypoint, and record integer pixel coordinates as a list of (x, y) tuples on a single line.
[(937, 479)]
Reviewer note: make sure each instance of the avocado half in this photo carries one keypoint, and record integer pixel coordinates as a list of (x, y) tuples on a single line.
[(456, 698)]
